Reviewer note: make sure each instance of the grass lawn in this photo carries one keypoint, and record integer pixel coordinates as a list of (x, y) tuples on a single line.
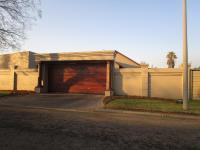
[(153, 105), (4, 93)]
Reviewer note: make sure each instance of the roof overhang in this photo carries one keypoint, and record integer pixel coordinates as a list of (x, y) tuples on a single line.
[(76, 56)]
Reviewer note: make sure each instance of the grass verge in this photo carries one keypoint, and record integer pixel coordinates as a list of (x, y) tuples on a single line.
[(153, 105), (4, 93)]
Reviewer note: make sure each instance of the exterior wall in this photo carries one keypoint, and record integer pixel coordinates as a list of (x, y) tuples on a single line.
[(165, 83), (195, 84), (6, 79), (161, 83), (125, 61), (21, 80), (128, 77), (127, 82), (22, 60), (19, 59), (26, 80)]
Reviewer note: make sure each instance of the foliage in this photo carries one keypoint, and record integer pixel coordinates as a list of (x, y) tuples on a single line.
[(15, 17), (171, 56)]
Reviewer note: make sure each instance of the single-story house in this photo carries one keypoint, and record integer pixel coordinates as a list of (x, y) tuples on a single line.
[(74, 72), (99, 72)]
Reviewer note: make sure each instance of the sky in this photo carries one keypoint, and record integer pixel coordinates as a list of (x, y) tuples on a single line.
[(144, 30)]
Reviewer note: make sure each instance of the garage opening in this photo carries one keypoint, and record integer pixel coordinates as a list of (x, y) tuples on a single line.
[(77, 77)]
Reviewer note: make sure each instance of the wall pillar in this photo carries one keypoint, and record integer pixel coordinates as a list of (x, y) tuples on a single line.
[(108, 91), (38, 89), (12, 70), (145, 81), (189, 80)]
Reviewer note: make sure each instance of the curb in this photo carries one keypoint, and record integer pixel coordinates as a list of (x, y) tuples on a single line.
[(162, 115), (153, 114)]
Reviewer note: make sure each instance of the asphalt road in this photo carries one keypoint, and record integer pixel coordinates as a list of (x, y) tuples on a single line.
[(37, 129)]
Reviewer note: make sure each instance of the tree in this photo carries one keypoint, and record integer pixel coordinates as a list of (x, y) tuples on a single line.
[(171, 56), (15, 17)]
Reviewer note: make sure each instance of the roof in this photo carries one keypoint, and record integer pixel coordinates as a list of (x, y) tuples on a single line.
[(102, 55)]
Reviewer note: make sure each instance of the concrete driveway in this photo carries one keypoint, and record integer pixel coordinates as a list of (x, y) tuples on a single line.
[(59, 101)]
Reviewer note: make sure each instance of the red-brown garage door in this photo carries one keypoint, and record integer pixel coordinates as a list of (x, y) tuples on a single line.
[(77, 77)]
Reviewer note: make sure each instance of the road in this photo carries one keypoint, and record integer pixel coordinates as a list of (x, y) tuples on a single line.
[(37, 129)]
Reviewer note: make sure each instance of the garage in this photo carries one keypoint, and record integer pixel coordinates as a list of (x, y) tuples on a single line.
[(77, 77), (80, 72)]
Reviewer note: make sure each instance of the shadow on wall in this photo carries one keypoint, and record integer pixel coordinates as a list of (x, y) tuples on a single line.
[(74, 79), (91, 72), (15, 81), (32, 61), (5, 62), (118, 84), (46, 76), (54, 56), (62, 81)]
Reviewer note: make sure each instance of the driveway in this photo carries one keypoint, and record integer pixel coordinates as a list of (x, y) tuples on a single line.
[(59, 101)]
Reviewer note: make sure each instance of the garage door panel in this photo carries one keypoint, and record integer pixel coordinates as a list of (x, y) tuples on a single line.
[(77, 78)]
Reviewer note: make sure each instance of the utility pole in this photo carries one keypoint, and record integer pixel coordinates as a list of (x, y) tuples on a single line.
[(185, 57)]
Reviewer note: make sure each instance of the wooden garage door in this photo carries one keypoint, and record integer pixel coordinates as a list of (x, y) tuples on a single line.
[(77, 77)]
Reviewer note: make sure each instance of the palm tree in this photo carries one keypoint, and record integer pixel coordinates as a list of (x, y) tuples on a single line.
[(171, 56)]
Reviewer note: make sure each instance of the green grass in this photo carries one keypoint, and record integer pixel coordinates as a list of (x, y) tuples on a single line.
[(4, 93), (153, 105)]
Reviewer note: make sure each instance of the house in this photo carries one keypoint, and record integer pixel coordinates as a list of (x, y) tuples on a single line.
[(98, 72), (82, 72), (74, 72)]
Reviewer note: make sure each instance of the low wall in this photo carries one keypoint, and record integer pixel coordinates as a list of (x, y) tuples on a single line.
[(26, 80), (195, 84), (163, 83), (128, 82), (6, 79), (21, 80)]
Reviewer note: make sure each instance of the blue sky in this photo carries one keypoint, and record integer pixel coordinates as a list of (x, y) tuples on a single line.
[(144, 30)]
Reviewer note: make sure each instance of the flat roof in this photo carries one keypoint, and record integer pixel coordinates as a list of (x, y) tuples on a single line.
[(72, 56)]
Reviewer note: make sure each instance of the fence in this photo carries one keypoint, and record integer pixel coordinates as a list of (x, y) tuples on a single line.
[(162, 83)]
